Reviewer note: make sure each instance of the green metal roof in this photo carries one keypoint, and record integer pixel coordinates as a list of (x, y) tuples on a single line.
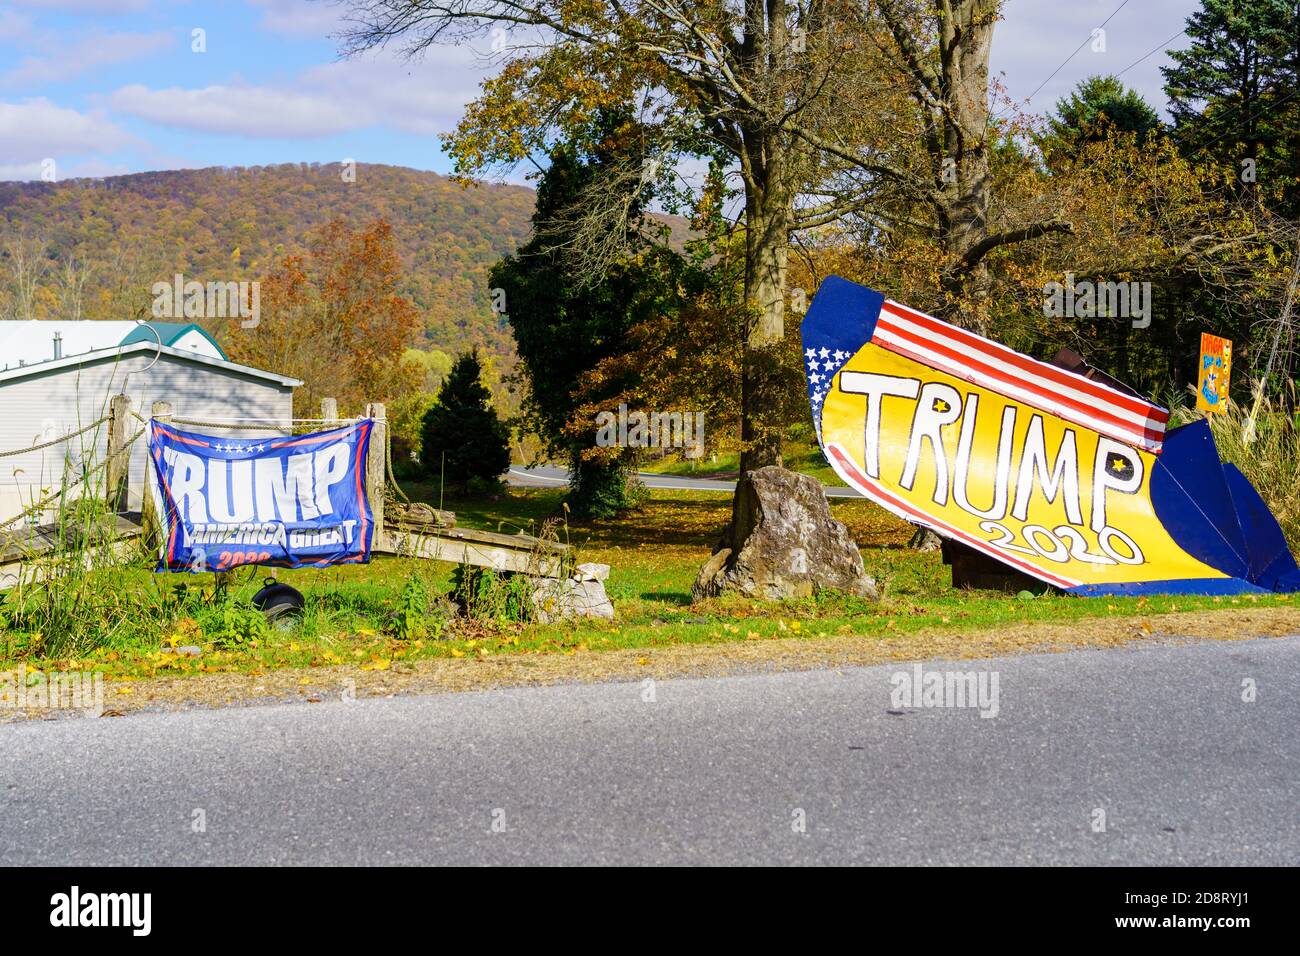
[(168, 332)]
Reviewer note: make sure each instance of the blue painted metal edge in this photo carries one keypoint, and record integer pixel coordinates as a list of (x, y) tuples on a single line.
[(1204, 586)]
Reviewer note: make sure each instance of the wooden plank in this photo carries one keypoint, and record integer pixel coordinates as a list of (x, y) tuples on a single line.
[(32, 558), (22, 543), (416, 516), (499, 552), (514, 542), (41, 540)]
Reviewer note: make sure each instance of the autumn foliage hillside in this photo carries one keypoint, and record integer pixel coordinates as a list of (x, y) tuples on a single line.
[(126, 232)]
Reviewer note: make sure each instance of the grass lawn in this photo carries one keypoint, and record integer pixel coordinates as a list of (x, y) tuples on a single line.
[(653, 554)]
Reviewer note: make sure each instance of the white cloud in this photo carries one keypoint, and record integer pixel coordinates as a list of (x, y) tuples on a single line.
[(89, 168), (20, 172), (86, 6), (259, 112), (98, 168), (87, 54), (424, 98), (300, 17), (36, 129), (14, 25)]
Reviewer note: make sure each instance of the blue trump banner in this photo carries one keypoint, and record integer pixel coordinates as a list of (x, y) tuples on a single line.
[(289, 501)]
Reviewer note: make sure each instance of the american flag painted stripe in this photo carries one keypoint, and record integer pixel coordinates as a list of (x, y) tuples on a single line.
[(997, 367), (932, 353), (1098, 390), (986, 363)]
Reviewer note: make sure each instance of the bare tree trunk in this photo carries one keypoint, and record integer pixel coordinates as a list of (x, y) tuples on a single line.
[(962, 198), (769, 218), (958, 152), (27, 267), (768, 221), (72, 278)]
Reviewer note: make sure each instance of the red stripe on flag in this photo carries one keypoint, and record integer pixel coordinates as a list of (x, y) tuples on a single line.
[(177, 436), (1032, 366), (1090, 416)]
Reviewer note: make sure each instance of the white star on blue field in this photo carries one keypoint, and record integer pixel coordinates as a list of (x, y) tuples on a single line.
[(821, 366)]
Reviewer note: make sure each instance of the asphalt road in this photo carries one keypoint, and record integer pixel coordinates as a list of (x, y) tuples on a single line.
[(549, 476), (710, 771)]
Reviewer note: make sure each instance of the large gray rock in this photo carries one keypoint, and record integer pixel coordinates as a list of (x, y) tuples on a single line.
[(783, 543)]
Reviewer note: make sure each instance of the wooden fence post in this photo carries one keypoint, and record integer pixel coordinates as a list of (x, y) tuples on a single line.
[(118, 457), (329, 410), (376, 469), (150, 520)]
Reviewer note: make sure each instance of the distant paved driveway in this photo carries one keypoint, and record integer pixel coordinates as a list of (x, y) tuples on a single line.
[(549, 476)]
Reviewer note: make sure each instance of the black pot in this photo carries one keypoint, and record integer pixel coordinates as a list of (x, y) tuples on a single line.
[(278, 601)]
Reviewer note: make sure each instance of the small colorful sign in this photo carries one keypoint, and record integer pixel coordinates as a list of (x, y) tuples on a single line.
[(1213, 373)]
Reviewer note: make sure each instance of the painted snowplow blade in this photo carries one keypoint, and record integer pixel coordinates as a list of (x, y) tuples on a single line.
[(1070, 480)]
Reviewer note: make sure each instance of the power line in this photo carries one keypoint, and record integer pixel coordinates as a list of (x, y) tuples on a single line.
[(1162, 46), (1069, 58)]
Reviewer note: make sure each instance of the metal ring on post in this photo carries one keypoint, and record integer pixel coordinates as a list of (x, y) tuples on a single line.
[(157, 354)]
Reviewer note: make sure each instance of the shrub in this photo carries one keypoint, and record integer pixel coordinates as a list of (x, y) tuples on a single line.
[(486, 595), (415, 618), (601, 489), (241, 626)]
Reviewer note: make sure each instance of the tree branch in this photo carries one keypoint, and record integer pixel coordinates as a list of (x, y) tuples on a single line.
[(977, 252)]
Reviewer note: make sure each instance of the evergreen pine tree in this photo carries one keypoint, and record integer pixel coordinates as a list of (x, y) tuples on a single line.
[(462, 429), (1234, 92), (564, 322), (1099, 101)]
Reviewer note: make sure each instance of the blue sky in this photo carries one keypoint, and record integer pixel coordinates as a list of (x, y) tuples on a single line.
[(104, 87)]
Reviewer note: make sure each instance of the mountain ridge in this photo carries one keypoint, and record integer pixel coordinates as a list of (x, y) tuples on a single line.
[(236, 223)]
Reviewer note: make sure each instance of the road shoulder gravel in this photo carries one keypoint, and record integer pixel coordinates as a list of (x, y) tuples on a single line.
[(450, 675)]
